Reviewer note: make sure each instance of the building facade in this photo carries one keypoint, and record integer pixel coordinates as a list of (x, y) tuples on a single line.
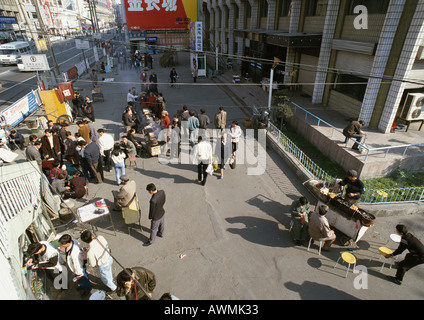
[(360, 57)]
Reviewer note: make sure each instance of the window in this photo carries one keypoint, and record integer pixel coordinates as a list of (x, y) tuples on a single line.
[(311, 8), (284, 8), (373, 7), (248, 10), (351, 86), (264, 9)]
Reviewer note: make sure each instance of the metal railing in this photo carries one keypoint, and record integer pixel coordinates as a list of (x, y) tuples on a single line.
[(371, 196), (366, 150), (301, 158)]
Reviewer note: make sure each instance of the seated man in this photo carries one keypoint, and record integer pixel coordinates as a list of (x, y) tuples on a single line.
[(77, 184), (319, 228), (353, 130), (59, 185), (123, 197), (16, 140)]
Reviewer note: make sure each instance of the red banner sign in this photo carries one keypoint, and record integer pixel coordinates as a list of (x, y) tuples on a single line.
[(159, 14)]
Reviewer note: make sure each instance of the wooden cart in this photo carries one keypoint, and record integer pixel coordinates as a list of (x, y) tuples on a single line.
[(97, 94)]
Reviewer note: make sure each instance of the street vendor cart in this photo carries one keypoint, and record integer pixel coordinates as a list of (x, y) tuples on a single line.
[(97, 94), (350, 220)]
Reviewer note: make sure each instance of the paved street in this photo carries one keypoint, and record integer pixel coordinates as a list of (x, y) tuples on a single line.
[(230, 239)]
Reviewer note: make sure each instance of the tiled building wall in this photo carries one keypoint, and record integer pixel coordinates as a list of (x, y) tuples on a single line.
[(409, 52), (382, 54)]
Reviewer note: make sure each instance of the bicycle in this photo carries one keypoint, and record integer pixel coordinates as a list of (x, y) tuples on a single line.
[(174, 84)]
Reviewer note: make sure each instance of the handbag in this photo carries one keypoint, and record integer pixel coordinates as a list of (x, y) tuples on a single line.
[(209, 169)]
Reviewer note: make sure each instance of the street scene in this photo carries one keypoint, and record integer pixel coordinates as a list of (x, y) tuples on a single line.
[(127, 182)]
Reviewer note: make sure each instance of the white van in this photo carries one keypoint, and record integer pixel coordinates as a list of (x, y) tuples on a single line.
[(10, 52)]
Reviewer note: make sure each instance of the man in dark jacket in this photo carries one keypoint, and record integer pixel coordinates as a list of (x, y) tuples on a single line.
[(16, 140), (50, 145), (156, 213), (412, 259), (92, 157), (77, 185), (354, 130), (129, 281)]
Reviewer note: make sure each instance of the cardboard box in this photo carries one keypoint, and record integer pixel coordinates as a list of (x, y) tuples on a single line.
[(154, 150)]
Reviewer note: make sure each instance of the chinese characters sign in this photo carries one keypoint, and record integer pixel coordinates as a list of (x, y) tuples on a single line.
[(196, 36), (159, 14)]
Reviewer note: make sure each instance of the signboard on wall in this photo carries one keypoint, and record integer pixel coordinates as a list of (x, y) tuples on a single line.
[(21, 109), (196, 36), (159, 14), (35, 62)]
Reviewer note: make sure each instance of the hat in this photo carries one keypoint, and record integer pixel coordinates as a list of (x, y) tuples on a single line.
[(125, 177), (352, 173)]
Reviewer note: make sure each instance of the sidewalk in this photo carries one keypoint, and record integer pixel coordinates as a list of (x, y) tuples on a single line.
[(230, 239)]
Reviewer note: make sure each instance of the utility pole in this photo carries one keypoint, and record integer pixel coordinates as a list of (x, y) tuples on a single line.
[(47, 37), (34, 35)]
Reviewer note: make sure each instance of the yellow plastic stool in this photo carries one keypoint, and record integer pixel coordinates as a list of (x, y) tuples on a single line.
[(349, 259), (385, 251)]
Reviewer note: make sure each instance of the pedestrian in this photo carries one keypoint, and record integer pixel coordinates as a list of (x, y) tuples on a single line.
[(204, 120), (131, 97), (354, 130), (143, 78), (16, 140), (173, 75), (59, 185), (129, 149), (98, 255), (224, 151), (84, 130), (165, 120), (44, 256), (319, 228), (92, 158), (50, 145), (156, 213), (88, 109), (118, 162), (105, 143), (78, 102), (94, 135), (150, 60), (235, 133), (138, 146), (129, 288), (194, 70), (175, 141), (124, 196), (153, 78), (74, 259), (71, 153), (33, 153), (202, 156), (93, 77), (299, 211), (413, 258), (220, 119), (77, 184), (193, 127)]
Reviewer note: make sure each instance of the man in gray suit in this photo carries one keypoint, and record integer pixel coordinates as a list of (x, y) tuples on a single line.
[(33, 153), (156, 213), (123, 197)]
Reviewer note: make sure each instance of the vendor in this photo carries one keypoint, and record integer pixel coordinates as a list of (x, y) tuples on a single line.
[(355, 187)]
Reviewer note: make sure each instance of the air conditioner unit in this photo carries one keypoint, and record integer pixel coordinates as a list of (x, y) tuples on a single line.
[(413, 108)]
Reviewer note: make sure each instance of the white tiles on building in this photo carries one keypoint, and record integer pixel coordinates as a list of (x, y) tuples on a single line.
[(387, 36), (325, 52), (412, 42)]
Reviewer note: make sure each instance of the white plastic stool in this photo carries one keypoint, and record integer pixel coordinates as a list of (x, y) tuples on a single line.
[(320, 244)]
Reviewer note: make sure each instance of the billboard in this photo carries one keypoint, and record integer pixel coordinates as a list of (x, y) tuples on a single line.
[(160, 14)]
